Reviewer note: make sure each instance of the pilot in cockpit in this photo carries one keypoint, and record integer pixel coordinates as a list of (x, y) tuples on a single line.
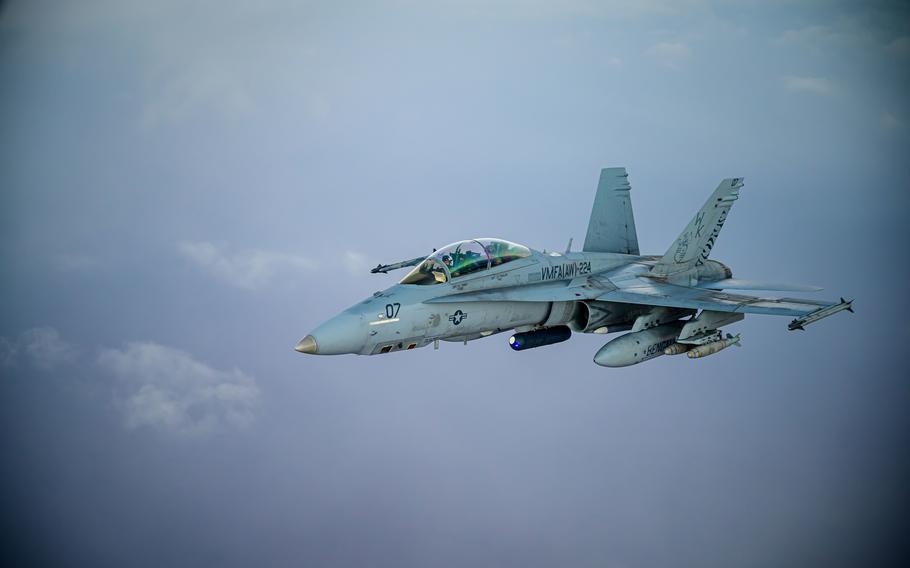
[(494, 249)]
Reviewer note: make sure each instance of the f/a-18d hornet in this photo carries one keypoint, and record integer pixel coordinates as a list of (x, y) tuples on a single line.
[(670, 304)]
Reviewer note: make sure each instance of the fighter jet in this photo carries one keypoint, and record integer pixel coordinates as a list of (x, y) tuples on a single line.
[(670, 304)]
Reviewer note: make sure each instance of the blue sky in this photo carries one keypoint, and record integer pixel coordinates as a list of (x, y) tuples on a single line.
[(189, 188)]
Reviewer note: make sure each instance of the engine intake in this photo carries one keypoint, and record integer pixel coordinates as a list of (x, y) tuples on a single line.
[(595, 316)]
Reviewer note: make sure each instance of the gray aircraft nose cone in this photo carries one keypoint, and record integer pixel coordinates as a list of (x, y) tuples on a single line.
[(307, 345)]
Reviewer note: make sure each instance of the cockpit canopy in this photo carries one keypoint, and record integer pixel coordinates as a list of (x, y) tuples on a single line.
[(462, 258)]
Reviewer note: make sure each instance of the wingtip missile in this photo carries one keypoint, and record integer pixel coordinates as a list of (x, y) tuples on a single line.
[(800, 323)]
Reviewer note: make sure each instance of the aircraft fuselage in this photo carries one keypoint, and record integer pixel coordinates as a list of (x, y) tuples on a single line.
[(403, 316)]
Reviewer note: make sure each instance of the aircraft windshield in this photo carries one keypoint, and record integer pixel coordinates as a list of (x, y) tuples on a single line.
[(430, 271), (462, 258)]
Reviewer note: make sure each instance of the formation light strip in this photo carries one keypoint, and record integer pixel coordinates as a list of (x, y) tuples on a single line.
[(380, 322)]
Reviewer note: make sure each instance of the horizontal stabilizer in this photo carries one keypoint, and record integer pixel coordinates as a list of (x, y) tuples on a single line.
[(739, 284)]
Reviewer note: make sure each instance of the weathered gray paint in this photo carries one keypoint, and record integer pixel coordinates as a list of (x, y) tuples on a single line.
[(583, 289)]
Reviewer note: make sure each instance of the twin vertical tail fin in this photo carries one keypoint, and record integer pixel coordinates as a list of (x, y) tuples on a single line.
[(611, 227), (693, 246)]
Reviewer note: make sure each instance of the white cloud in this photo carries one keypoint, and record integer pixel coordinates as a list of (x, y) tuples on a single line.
[(45, 349), (670, 54), (168, 390), (40, 346), (814, 85), (249, 269)]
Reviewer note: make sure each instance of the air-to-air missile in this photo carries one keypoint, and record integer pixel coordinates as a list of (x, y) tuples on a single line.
[(385, 268), (713, 347), (802, 322)]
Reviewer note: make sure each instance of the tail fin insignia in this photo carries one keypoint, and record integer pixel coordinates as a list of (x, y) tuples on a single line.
[(693, 246)]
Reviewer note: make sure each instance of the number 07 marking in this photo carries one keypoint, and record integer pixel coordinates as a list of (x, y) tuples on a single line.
[(391, 310)]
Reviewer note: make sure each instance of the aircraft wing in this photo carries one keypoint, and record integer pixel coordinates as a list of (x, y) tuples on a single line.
[(740, 284), (649, 291)]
